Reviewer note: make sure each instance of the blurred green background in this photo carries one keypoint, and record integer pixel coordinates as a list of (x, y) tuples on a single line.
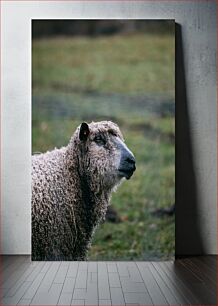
[(83, 73)]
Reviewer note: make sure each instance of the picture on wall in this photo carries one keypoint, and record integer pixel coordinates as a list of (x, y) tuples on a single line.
[(103, 139)]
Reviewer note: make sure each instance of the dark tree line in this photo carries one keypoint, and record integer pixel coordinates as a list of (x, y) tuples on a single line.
[(45, 28)]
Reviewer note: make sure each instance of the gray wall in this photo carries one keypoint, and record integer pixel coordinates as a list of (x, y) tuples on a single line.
[(196, 113)]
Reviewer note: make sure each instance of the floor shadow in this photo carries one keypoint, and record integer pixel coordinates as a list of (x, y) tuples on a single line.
[(188, 234)]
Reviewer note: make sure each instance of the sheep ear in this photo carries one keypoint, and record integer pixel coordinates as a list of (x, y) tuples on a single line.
[(84, 131)]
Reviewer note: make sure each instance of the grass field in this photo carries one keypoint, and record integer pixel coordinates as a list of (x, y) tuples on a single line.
[(130, 80)]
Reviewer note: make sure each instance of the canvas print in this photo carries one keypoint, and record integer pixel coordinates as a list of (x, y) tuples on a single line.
[(103, 139)]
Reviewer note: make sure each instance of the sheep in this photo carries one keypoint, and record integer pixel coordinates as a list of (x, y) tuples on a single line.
[(71, 190)]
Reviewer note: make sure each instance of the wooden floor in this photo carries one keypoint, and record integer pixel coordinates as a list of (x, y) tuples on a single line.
[(189, 281)]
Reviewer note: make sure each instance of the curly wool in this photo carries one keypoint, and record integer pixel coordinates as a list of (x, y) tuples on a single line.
[(71, 189)]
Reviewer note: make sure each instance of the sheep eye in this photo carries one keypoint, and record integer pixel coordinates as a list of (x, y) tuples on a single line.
[(99, 140), (113, 133)]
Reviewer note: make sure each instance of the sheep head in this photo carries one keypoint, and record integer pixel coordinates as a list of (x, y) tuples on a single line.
[(103, 153)]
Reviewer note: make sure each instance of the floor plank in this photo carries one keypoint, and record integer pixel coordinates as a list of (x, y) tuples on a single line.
[(187, 281), (140, 298), (168, 292), (48, 298), (103, 282), (31, 291), (155, 292), (180, 283), (24, 302), (202, 271), (170, 280), (17, 277), (29, 275), (65, 298), (205, 293), (17, 296), (12, 272), (117, 297), (114, 280), (210, 261), (69, 285), (61, 274)]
